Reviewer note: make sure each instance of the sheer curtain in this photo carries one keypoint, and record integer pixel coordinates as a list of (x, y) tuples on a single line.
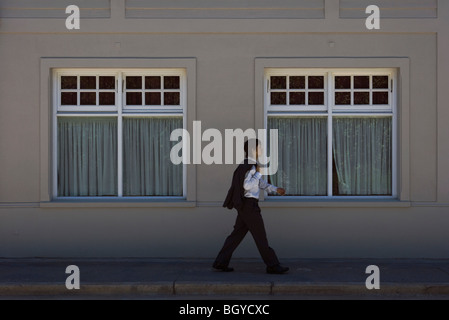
[(362, 155), (302, 149), (87, 156), (147, 168)]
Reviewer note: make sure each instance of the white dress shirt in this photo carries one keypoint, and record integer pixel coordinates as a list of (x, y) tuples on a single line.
[(254, 182)]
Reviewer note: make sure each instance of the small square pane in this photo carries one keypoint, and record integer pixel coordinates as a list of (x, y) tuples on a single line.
[(171, 82), (107, 82), (107, 98), (316, 98), (342, 82), (342, 98), (361, 98), (316, 82), (278, 82), (279, 98), (380, 97), (133, 98), (297, 82), (297, 98), (88, 82), (68, 82), (380, 82), (134, 82), (68, 99), (361, 82), (152, 82), (152, 98), (171, 98), (88, 98)]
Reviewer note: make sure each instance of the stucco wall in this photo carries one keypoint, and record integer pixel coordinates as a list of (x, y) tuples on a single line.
[(225, 98)]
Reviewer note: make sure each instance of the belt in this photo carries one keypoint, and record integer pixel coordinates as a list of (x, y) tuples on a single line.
[(251, 199)]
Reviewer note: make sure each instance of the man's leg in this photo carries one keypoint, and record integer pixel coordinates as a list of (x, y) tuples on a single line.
[(231, 242), (254, 221)]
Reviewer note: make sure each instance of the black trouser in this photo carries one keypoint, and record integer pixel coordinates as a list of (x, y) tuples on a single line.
[(248, 219)]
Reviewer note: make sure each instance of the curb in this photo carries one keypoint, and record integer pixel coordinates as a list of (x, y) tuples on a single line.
[(223, 288)]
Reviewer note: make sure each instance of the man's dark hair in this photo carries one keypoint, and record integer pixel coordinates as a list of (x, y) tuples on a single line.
[(253, 142)]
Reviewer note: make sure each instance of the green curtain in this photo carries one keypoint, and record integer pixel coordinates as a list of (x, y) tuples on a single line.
[(363, 155), (302, 149), (87, 156), (147, 168)]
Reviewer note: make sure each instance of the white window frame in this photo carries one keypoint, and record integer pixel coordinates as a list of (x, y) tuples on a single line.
[(298, 72), (118, 111), (154, 72), (338, 111)]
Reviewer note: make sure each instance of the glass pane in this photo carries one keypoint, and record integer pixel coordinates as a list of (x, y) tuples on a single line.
[(361, 97), (302, 155), (380, 82), (88, 98), (297, 98), (342, 98), (87, 156), (133, 82), (107, 98), (316, 82), (88, 82), (342, 82), (153, 98), (107, 82), (362, 149), (380, 97), (147, 168), (316, 98), (68, 82), (278, 82), (279, 98), (68, 99), (361, 82), (171, 82), (171, 99), (297, 82), (152, 82), (134, 98)]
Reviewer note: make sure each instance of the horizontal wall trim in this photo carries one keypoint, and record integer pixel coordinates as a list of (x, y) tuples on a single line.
[(53, 8), (225, 9), (355, 9), (191, 204)]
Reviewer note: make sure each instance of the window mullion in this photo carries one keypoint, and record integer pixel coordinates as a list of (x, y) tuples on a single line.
[(120, 137), (330, 93)]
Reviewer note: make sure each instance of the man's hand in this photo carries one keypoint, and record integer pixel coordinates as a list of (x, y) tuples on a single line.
[(281, 191), (257, 168)]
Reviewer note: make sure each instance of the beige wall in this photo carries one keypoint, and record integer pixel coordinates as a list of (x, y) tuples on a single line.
[(225, 51)]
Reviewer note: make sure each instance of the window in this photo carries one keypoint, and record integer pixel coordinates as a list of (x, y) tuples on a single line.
[(112, 132), (336, 131)]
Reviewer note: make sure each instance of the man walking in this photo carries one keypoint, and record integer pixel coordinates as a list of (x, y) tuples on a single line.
[(244, 196)]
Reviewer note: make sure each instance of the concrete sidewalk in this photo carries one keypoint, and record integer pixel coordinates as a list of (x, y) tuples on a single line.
[(188, 277)]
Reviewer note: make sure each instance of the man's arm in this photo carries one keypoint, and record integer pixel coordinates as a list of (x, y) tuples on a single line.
[(264, 185), (252, 178)]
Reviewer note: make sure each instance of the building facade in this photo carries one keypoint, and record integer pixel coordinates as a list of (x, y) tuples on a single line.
[(86, 117)]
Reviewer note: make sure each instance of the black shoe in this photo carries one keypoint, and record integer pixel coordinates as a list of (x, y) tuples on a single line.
[(277, 269), (222, 268)]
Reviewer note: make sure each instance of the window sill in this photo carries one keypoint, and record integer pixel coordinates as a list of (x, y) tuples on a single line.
[(118, 203), (283, 202)]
